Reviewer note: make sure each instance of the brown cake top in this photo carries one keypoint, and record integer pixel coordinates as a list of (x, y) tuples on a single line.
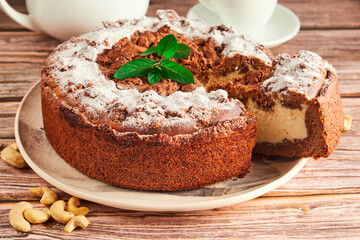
[(125, 50), (74, 74)]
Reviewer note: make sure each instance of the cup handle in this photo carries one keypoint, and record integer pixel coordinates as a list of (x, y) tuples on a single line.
[(209, 4), (20, 18)]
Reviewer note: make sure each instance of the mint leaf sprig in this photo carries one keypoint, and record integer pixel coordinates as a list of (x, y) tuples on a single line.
[(162, 68)]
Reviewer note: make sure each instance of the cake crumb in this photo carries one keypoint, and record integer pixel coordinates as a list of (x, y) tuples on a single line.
[(347, 122), (305, 210)]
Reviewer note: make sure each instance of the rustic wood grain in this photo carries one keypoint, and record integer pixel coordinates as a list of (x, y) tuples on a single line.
[(7, 23), (8, 108), (26, 41), (312, 13), (337, 46), (262, 218), (33, 57), (18, 73), (321, 202)]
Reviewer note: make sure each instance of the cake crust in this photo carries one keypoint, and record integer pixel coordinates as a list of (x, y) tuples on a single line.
[(149, 162)]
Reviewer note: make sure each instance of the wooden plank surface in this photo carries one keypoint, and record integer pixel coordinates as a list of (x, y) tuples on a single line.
[(262, 218), (312, 13), (321, 202)]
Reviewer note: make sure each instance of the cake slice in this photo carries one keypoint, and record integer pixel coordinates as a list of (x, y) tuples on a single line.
[(298, 109)]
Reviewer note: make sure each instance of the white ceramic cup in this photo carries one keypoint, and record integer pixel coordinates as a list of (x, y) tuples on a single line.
[(63, 19), (248, 16)]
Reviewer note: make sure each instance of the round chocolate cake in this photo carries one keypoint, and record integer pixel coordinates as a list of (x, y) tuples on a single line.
[(170, 136), (167, 136)]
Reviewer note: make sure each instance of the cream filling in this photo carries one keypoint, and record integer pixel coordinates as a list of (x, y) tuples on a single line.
[(279, 124)]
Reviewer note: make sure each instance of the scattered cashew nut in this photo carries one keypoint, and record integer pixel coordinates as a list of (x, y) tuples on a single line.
[(36, 215), (58, 212), (48, 196), (78, 221), (16, 216), (22, 213), (73, 204), (12, 156)]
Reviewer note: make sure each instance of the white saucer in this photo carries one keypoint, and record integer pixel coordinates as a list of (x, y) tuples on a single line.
[(265, 175), (283, 25)]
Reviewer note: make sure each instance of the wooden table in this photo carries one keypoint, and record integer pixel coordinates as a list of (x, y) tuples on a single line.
[(322, 201)]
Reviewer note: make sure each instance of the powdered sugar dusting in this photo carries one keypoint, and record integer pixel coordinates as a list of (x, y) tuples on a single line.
[(79, 78), (234, 43), (105, 38), (302, 73), (150, 110)]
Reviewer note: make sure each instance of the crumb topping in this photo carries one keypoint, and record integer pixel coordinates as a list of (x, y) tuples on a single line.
[(205, 62), (80, 72), (76, 74), (304, 73), (180, 112)]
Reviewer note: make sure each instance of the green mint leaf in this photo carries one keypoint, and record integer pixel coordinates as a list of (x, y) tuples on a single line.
[(135, 68), (149, 51), (174, 71), (154, 75), (182, 51), (167, 46)]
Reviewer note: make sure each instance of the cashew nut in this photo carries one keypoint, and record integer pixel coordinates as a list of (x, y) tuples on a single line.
[(78, 221), (16, 216), (12, 156), (48, 196), (73, 204), (36, 215), (57, 211)]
